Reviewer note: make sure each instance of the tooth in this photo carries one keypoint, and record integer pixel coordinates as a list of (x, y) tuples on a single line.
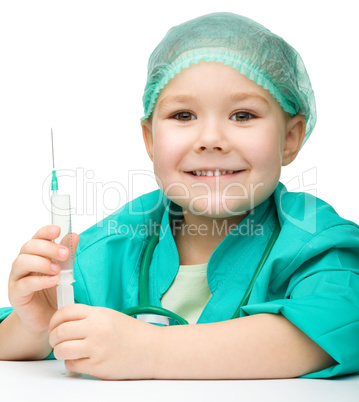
[(209, 173), (217, 172), (230, 171), (198, 172), (204, 173), (224, 171)]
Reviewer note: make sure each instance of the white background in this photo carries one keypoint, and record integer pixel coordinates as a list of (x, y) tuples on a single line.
[(80, 67)]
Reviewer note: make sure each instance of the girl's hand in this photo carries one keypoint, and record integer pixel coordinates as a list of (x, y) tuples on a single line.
[(33, 278), (104, 343)]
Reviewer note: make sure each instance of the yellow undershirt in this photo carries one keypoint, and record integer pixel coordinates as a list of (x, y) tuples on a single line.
[(189, 292)]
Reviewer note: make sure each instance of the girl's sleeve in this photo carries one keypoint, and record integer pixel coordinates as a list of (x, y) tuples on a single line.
[(323, 301), (4, 312)]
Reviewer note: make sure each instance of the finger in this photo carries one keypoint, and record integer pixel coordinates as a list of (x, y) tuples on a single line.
[(75, 242), (79, 365), (45, 248), (34, 283), (68, 331), (40, 256), (72, 312), (69, 350), (70, 241), (48, 232), (27, 263)]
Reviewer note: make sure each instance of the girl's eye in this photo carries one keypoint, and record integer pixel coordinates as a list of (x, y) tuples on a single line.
[(184, 116), (242, 116)]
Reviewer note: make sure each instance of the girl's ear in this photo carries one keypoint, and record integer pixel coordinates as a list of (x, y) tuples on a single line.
[(147, 137), (293, 140)]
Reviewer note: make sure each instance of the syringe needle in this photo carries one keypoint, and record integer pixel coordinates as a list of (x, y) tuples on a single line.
[(54, 185), (53, 157)]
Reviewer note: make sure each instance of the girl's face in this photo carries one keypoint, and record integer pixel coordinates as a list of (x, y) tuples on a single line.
[(218, 140)]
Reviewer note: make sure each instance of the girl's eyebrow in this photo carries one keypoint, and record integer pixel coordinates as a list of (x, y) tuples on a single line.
[(232, 98), (241, 96), (184, 98)]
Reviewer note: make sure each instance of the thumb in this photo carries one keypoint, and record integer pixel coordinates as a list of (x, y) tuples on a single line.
[(71, 240), (75, 242)]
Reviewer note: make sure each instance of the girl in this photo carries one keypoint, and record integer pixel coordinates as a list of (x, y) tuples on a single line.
[(265, 278)]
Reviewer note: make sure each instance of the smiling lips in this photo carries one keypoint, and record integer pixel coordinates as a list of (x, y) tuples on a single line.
[(216, 172)]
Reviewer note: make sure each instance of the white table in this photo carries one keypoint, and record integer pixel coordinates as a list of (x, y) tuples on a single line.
[(47, 381)]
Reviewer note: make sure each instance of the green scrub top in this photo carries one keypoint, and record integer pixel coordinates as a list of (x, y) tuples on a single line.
[(311, 276)]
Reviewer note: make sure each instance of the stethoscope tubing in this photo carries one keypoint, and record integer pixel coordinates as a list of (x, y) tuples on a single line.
[(146, 308)]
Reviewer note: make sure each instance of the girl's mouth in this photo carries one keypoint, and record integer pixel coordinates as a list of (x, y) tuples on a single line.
[(210, 174)]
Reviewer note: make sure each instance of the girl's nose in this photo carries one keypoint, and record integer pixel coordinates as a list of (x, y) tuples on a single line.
[(211, 137)]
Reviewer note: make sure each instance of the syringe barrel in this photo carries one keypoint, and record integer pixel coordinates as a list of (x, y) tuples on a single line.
[(61, 216), (65, 295)]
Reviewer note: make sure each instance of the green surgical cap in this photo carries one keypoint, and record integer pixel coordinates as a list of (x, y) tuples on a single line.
[(245, 45)]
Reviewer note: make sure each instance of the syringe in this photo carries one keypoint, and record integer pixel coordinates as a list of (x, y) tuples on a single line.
[(61, 216)]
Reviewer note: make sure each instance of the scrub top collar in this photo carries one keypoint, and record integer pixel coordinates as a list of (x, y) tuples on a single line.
[(230, 267)]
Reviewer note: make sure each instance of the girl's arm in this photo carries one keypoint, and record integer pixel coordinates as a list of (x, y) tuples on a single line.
[(253, 347), (20, 343), (111, 345)]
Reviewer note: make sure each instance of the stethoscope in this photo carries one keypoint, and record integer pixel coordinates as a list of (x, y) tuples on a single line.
[(159, 315)]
